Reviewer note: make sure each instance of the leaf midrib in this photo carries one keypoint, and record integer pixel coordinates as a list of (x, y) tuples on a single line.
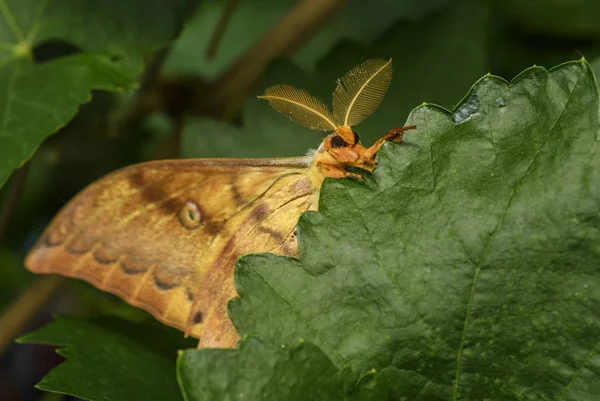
[(491, 239)]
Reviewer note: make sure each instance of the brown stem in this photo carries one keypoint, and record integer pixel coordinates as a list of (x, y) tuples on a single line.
[(219, 31), (296, 28), (16, 316), (153, 69)]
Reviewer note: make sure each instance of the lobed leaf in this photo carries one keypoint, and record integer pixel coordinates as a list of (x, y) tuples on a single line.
[(36, 99), (468, 263), (111, 360)]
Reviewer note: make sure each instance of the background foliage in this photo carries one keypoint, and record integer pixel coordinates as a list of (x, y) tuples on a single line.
[(87, 87)]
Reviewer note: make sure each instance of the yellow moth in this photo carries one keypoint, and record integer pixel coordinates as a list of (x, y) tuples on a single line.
[(165, 235)]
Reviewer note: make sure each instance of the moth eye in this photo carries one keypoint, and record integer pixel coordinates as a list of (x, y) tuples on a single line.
[(189, 216), (355, 137), (337, 142)]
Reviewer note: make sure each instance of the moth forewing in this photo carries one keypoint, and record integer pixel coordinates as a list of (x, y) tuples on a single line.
[(165, 235)]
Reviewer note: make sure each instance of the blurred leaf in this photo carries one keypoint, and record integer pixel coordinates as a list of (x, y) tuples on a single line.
[(358, 21), (515, 49), (363, 22), (468, 262), (111, 360), (92, 302), (38, 99), (567, 18), (418, 76), (255, 371)]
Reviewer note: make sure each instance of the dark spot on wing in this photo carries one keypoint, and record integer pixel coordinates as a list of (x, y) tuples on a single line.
[(259, 212), (103, 257), (51, 240), (213, 227), (131, 268), (162, 284), (198, 316), (229, 247), (81, 243), (152, 193), (168, 277), (237, 196), (272, 232), (290, 249)]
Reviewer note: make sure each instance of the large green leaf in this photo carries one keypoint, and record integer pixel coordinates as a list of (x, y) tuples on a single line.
[(255, 371), (37, 99), (417, 54), (358, 21), (468, 262), (111, 360)]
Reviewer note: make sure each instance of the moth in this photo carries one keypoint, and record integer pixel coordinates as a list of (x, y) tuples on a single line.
[(165, 235)]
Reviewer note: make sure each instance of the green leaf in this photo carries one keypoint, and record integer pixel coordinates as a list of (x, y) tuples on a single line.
[(468, 262), (357, 21), (36, 99), (255, 371), (111, 360), (417, 53)]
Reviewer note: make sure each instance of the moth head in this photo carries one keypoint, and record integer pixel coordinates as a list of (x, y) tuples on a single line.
[(358, 94), (342, 137)]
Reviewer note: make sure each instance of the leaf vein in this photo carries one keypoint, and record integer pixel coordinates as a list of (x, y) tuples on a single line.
[(490, 240), (378, 264), (11, 21), (587, 358), (316, 333)]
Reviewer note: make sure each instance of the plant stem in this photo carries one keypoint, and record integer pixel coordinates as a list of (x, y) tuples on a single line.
[(217, 35), (294, 29), (19, 313)]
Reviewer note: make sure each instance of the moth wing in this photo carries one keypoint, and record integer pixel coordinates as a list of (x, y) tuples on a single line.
[(165, 235)]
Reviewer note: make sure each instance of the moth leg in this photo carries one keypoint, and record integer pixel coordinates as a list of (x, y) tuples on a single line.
[(394, 135), (335, 171)]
